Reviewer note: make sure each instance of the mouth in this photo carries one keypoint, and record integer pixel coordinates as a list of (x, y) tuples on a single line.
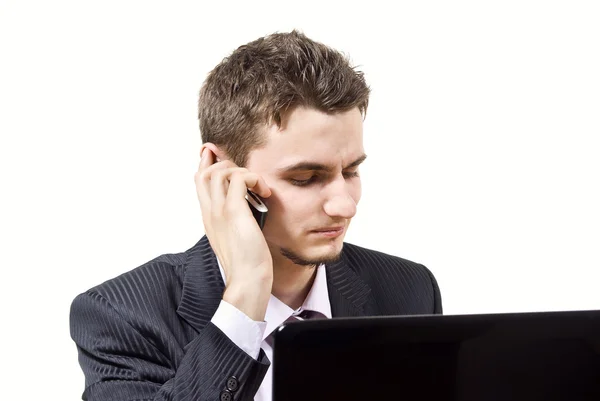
[(329, 232)]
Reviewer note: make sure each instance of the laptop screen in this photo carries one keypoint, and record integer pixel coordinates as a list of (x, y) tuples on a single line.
[(528, 356)]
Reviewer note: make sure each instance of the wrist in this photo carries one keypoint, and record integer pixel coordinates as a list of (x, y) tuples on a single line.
[(251, 298)]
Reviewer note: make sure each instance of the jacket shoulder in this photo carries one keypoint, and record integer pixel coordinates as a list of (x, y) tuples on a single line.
[(153, 288), (379, 262), (395, 281)]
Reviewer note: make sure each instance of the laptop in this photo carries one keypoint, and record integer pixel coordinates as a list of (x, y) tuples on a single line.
[(518, 356)]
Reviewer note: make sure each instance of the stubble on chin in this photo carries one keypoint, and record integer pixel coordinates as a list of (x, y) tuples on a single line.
[(299, 260)]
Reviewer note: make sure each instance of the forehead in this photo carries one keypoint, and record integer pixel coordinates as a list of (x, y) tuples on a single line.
[(310, 135)]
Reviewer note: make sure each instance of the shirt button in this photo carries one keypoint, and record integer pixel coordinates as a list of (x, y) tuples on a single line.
[(232, 384), (226, 396)]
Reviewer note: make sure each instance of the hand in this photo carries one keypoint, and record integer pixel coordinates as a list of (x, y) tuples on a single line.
[(234, 234)]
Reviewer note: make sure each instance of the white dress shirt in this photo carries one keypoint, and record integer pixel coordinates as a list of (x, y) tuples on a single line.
[(251, 336)]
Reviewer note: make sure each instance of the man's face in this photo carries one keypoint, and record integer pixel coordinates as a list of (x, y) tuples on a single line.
[(311, 165)]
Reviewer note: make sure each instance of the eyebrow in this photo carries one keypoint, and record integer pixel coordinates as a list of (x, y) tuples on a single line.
[(304, 166)]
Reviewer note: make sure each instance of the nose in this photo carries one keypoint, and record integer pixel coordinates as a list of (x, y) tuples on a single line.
[(340, 203)]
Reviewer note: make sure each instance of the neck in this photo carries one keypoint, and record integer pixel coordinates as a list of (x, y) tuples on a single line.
[(291, 282)]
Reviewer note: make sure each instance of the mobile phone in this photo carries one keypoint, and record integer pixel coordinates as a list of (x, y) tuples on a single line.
[(258, 208)]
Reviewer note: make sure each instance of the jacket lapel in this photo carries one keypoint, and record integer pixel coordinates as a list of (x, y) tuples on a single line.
[(202, 285), (348, 293)]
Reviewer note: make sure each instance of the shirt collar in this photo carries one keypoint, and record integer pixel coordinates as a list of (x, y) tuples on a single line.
[(278, 312)]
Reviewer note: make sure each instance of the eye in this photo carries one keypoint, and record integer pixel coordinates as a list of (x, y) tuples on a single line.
[(314, 178), (302, 183)]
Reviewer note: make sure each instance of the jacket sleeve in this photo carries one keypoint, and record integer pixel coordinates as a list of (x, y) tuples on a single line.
[(120, 363)]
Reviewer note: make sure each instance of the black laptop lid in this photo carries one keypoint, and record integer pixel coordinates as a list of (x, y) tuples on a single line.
[(527, 356)]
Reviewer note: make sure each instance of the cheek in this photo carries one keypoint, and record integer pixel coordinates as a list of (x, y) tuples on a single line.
[(283, 204), (297, 202), (356, 191), (290, 207), (287, 218)]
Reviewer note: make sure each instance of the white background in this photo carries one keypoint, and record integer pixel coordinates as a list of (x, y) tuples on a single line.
[(482, 136)]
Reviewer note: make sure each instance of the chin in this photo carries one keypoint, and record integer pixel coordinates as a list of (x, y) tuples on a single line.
[(314, 254), (325, 255)]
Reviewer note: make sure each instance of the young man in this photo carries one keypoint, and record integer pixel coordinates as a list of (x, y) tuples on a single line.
[(281, 116)]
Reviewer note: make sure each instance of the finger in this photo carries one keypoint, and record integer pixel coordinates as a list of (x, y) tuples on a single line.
[(203, 192), (260, 187), (240, 183), (237, 192), (207, 159), (202, 179), (204, 175), (219, 186)]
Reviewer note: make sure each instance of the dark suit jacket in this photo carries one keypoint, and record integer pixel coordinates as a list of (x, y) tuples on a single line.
[(147, 335)]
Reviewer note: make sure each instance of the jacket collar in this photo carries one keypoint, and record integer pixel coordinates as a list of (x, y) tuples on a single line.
[(203, 287), (348, 292)]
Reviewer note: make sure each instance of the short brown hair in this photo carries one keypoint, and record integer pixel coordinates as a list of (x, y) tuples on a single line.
[(259, 81)]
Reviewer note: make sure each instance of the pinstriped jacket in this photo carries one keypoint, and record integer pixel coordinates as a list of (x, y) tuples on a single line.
[(147, 335)]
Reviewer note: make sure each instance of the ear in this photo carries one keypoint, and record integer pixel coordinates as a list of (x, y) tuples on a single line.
[(220, 154)]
